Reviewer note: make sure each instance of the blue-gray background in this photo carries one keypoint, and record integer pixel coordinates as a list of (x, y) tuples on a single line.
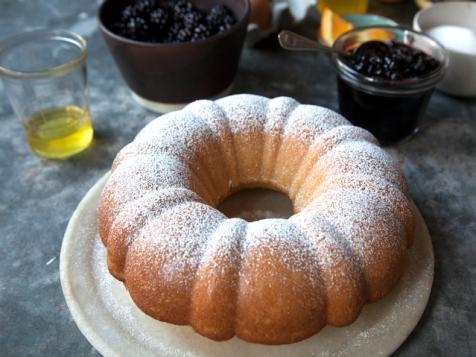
[(37, 197)]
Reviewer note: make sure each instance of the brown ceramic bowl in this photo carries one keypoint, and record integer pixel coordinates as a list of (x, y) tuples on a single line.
[(166, 76)]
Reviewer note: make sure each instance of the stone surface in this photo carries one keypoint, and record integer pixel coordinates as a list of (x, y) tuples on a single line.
[(37, 196)]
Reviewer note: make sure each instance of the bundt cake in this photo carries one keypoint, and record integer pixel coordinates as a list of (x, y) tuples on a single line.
[(273, 281)]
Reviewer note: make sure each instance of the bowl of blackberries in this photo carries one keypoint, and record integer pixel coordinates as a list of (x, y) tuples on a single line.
[(385, 78), (172, 52)]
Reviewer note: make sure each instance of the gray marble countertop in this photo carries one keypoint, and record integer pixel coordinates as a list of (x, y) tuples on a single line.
[(38, 196)]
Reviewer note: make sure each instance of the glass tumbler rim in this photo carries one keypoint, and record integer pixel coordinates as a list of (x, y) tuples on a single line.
[(384, 86), (34, 35)]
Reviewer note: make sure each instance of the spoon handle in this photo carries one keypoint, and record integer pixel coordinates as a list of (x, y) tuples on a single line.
[(292, 41)]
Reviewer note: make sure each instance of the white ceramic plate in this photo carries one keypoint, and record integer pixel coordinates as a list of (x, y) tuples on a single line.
[(106, 315)]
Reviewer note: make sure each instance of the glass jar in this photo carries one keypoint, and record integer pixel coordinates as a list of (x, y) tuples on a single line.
[(389, 109)]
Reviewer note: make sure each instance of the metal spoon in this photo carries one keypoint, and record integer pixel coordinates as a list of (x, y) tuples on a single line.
[(292, 41)]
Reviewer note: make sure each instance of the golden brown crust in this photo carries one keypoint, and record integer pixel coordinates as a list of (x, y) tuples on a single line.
[(272, 281)]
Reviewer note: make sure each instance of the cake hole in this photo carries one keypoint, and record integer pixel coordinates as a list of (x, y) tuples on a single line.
[(256, 204)]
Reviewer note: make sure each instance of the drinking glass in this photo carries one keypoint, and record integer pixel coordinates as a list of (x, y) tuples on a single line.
[(44, 77)]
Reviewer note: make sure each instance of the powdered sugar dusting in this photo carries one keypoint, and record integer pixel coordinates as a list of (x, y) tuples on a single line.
[(140, 174), (182, 133), (354, 214), (138, 213), (273, 243), (307, 122), (245, 113), (304, 125), (279, 110), (362, 157), (371, 229), (378, 187), (225, 242), (338, 263), (359, 215), (350, 158), (342, 134), (183, 127), (180, 234), (217, 121), (152, 204), (246, 116), (317, 230), (322, 145)]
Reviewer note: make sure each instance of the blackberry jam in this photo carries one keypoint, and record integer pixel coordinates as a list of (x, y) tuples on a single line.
[(390, 60), (389, 118), (385, 84)]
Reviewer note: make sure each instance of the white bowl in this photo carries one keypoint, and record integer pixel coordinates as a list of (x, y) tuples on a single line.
[(453, 24)]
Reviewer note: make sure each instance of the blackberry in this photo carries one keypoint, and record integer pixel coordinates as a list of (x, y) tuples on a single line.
[(184, 35), (213, 17), (159, 16), (145, 6), (159, 20), (220, 17), (192, 19), (181, 7), (224, 27), (172, 32), (139, 9), (171, 21), (136, 28), (200, 32), (133, 23), (129, 11), (229, 19)]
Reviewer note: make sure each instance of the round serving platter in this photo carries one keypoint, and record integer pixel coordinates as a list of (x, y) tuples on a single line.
[(108, 318)]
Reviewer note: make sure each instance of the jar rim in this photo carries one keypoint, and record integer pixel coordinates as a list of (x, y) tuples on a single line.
[(35, 35), (387, 86)]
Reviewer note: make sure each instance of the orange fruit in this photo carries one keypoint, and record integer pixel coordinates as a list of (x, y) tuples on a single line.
[(332, 26), (379, 35)]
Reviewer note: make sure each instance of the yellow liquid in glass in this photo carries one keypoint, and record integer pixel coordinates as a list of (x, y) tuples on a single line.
[(59, 133), (344, 7)]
